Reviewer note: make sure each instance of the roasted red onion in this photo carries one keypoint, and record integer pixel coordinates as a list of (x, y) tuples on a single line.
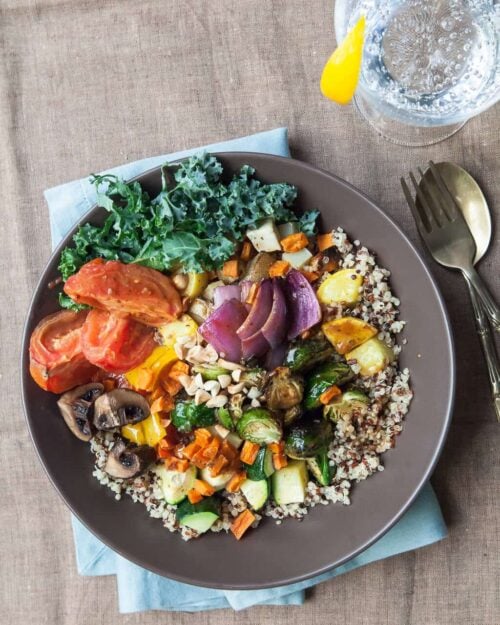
[(220, 329), (303, 306)]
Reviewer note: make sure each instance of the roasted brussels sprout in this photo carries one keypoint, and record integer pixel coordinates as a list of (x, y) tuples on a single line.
[(350, 404), (308, 438), (254, 377), (320, 468), (322, 378), (260, 426), (186, 416), (236, 405), (308, 354), (284, 390), (291, 415)]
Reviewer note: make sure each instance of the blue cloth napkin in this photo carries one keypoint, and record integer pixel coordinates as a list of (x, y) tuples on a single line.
[(140, 590)]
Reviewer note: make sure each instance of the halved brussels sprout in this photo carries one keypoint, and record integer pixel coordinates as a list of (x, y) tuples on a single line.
[(307, 354), (260, 426), (350, 404), (322, 378), (284, 390), (308, 438)]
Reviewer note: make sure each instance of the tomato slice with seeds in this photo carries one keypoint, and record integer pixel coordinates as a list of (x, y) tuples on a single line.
[(116, 343), (57, 362), (128, 289)]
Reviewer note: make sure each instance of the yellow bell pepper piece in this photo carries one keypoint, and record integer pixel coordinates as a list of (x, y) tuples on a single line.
[(134, 433), (145, 376), (172, 331), (153, 429), (341, 72)]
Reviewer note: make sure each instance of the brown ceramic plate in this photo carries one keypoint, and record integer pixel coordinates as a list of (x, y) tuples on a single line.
[(329, 535)]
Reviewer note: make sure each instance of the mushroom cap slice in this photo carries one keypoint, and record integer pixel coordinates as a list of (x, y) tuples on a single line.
[(119, 407), (77, 407), (125, 462)]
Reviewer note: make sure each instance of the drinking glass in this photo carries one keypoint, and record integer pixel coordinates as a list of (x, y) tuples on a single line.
[(428, 65)]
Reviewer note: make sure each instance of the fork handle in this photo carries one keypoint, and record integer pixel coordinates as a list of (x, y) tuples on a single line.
[(490, 306), (489, 349)]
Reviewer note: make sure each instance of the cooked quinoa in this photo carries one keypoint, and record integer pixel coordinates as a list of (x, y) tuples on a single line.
[(358, 443)]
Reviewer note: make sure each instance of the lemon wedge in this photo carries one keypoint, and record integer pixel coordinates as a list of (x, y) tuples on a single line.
[(341, 72)]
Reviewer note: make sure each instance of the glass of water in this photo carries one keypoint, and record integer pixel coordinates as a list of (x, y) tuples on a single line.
[(428, 65)]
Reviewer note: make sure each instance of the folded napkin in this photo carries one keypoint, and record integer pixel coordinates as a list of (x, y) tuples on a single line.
[(140, 590)]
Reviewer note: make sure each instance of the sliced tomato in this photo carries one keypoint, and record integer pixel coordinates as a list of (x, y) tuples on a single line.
[(116, 344), (57, 362), (146, 294)]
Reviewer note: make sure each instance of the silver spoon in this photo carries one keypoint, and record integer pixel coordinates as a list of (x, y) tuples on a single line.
[(474, 207)]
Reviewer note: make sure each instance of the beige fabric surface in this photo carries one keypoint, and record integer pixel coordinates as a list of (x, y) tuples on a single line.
[(87, 84)]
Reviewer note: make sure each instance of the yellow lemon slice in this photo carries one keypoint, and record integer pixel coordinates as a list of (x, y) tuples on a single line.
[(341, 73)]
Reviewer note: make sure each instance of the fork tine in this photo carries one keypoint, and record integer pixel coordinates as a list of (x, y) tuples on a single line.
[(452, 210), (413, 208), (440, 215), (424, 208)]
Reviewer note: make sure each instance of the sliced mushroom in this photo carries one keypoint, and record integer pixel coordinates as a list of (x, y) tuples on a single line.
[(126, 462), (119, 407), (77, 407), (258, 267)]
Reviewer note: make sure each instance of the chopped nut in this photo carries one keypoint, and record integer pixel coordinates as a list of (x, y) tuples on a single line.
[(254, 392), (224, 380), (222, 432), (198, 378), (211, 354), (255, 403), (217, 402), (236, 375), (179, 351), (184, 340), (185, 380), (212, 386), (192, 388), (201, 396), (235, 388)]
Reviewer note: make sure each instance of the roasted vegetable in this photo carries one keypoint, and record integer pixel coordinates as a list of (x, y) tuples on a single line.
[(259, 426), (341, 287), (320, 467), (198, 516), (290, 483), (236, 405), (173, 331), (308, 438), (372, 356), (305, 355), (210, 372), (77, 408), (126, 462), (119, 407), (258, 267), (196, 284), (186, 416), (347, 333), (291, 415), (145, 376), (254, 377), (350, 404), (284, 390), (265, 238), (223, 416), (322, 378), (262, 467)]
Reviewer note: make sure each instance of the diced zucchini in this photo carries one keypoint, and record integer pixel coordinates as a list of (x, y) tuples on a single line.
[(175, 484), (265, 238), (234, 439), (341, 287), (347, 333), (290, 483), (297, 259), (262, 467), (320, 468), (199, 516), (171, 332), (372, 356), (219, 481), (255, 492), (285, 230)]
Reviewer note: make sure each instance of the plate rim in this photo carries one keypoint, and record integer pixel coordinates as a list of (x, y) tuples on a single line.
[(438, 447)]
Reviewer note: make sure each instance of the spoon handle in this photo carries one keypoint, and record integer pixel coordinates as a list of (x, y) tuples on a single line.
[(489, 349), (490, 307)]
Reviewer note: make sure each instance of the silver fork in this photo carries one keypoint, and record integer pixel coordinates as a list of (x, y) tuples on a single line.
[(446, 234)]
